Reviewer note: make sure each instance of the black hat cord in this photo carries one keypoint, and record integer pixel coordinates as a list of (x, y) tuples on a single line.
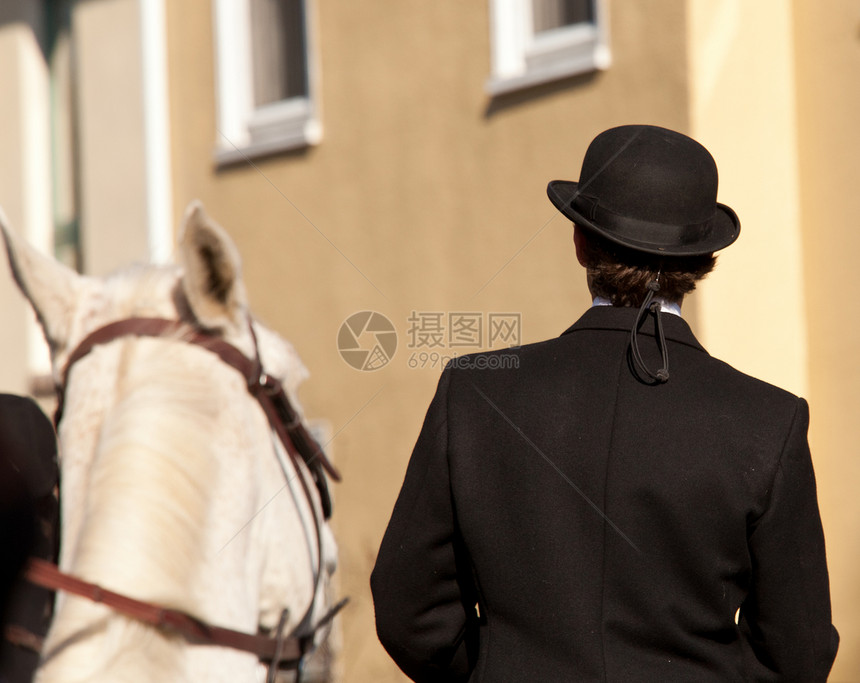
[(662, 375)]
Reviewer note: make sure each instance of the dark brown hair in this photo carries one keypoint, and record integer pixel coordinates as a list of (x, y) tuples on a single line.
[(621, 275)]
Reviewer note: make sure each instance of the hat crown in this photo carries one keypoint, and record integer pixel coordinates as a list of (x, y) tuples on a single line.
[(650, 189), (651, 174)]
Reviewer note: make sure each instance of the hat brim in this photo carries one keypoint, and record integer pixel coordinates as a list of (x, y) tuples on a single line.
[(721, 230)]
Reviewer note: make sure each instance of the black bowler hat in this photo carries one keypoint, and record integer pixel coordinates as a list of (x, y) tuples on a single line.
[(649, 189)]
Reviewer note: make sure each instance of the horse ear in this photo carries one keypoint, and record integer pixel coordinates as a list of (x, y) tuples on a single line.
[(52, 289), (213, 271)]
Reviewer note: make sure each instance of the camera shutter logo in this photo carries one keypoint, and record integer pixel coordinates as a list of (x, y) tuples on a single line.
[(367, 340)]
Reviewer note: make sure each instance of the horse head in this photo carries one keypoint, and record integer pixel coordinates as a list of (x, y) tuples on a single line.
[(173, 489)]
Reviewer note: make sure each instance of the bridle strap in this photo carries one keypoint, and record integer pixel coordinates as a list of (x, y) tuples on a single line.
[(47, 575), (265, 388)]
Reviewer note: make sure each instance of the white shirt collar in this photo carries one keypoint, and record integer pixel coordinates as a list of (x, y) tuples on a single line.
[(665, 306)]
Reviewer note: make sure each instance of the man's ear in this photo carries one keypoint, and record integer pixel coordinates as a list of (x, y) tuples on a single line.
[(579, 239)]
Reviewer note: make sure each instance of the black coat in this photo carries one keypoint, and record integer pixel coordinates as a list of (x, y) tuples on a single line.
[(29, 525), (608, 530)]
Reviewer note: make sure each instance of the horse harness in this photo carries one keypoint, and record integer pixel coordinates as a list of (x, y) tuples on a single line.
[(281, 651)]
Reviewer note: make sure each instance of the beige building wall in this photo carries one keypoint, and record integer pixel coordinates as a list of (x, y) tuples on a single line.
[(742, 109), (827, 63)]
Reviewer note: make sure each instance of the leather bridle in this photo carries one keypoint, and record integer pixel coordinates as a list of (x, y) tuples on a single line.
[(282, 650), (268, 391)]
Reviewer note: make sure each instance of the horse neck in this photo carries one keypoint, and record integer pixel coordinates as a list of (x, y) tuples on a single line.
[(166, 474)]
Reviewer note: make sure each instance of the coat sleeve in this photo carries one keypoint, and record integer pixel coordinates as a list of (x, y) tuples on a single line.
[(422, 583), (786, 617)]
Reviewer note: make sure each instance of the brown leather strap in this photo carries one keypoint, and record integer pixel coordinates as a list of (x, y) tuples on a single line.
[(270, 392), (265, 388), (155, 327), (47, 575)]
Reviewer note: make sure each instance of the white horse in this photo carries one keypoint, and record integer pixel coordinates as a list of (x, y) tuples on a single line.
[(173, 489)]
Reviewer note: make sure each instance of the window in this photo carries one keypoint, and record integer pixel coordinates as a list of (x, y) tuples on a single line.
[(266, 78), (535, 41), (59, 50)]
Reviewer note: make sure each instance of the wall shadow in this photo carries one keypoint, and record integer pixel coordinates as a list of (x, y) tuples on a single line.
[(501, 103)]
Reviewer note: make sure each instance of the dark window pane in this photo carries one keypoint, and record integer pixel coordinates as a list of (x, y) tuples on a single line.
[(550, 14), (278, 47)]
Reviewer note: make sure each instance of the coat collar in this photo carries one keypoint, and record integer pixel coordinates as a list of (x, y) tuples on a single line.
[(675, 328)]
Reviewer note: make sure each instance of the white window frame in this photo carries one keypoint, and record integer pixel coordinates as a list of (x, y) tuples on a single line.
[(245, 130), (520, 58)]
